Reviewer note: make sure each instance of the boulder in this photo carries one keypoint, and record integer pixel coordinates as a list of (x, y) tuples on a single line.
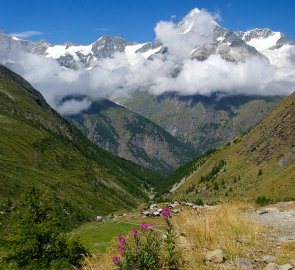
[(99, 218), (268, 258), (153, 206), (271, 266), (243, 263), (216, 256)]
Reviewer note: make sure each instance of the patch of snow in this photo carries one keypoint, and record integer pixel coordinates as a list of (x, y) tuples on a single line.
[(220, 39), (131, 54), (148, 53), (261, 44), (57, 51)]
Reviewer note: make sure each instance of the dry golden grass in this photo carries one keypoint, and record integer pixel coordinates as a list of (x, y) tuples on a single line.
[(286, 253), (99, 261), (225, 227)]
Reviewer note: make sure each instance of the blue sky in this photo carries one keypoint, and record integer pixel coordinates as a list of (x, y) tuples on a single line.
[(84, 21)]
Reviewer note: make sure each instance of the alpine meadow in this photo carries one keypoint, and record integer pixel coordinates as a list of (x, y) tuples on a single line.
[(147, 135)]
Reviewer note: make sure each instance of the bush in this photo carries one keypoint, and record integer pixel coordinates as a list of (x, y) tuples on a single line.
[(33, 239), (262, 200), (148, 250)]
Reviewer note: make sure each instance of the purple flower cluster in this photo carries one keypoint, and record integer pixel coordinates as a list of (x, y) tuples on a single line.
[(116, 260), (122, 239), (166, 213), (146, 226), (121, 248), (134, 233)]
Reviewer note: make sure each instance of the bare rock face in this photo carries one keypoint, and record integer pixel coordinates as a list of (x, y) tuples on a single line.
[(216, 256)]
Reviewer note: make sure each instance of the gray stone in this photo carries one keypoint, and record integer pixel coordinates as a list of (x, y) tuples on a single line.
[(176, 211), (99, 218), (243, 263), (268, 258), (286, 267), (262, 212), (271, 266), (216, 256), (156, 214)]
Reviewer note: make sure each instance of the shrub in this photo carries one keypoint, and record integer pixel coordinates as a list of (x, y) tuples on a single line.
[(262, 200), (148, 250), (34, 240)]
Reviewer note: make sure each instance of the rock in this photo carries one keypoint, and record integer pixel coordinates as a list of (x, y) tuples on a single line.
[(173, 205), (146, 213), (243, 239), (285, 267), (176, 211), (262, 212), (216, 256), (156, 214), (268, 258), (189, 204), (271, 266), (243, 263), (99, 218), (153, 206)]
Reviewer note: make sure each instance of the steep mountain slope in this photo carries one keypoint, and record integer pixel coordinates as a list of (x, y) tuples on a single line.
[(37, 146), (260, 163), (131, 136), (204, 122)]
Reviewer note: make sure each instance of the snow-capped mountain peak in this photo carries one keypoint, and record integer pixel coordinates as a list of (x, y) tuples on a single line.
[(264, 39), (196, 21)]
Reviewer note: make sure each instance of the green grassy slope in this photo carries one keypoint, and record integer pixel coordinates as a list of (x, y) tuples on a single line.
[(38, 146), (260, 163), (132, 136)]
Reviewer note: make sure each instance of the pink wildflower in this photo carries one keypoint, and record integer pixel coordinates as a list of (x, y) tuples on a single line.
[(122, 239), (134, 233), (166, 213), (121, 249), (146, 226), (116, 260)]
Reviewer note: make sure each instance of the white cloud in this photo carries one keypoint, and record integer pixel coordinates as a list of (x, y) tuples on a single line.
[(103, 29), (181, 42), (26, 34), (116, 77), (73, 106)]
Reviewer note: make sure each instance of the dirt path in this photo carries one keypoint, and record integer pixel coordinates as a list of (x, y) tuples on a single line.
[(281, 217)]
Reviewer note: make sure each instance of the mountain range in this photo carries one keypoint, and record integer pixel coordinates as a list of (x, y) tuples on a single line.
[(198, 121), (231, 45)]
